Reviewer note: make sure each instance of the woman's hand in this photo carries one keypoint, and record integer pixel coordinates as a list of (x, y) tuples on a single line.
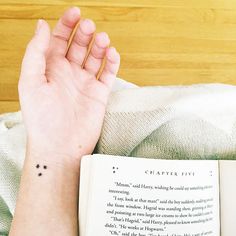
[(63, 107), (62, 102)]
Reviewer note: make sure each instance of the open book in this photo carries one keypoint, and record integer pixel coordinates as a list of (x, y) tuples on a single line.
[(128, 196)]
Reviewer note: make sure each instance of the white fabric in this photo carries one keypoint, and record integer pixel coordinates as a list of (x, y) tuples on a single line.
[(186, 122)]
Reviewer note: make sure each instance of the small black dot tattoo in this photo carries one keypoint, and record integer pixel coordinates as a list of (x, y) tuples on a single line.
[(38, 166)]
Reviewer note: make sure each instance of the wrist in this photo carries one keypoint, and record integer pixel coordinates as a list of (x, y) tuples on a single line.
[(58, 160)]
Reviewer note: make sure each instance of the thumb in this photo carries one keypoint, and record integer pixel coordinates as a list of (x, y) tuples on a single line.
[(34, 61)]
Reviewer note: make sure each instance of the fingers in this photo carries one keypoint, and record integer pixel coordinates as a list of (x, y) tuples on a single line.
[(63, 30), (111, 68), (34, 62), (97, 53), (80, 43)]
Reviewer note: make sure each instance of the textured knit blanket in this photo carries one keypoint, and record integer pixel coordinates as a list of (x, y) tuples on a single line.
[(171, 122)]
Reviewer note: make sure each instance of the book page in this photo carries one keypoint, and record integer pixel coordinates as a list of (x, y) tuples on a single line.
[(84, 187), (228, 197), (149, 197)]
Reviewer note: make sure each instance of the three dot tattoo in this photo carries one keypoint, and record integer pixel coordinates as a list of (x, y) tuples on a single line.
[(38, 166)]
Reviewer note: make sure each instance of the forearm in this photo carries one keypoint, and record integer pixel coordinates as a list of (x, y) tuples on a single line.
[(48, 195)]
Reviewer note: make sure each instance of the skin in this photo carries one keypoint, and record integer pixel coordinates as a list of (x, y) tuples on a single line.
[(63, 107)]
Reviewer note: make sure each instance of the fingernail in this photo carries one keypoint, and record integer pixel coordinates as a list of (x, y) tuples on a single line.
[(38, 26)]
